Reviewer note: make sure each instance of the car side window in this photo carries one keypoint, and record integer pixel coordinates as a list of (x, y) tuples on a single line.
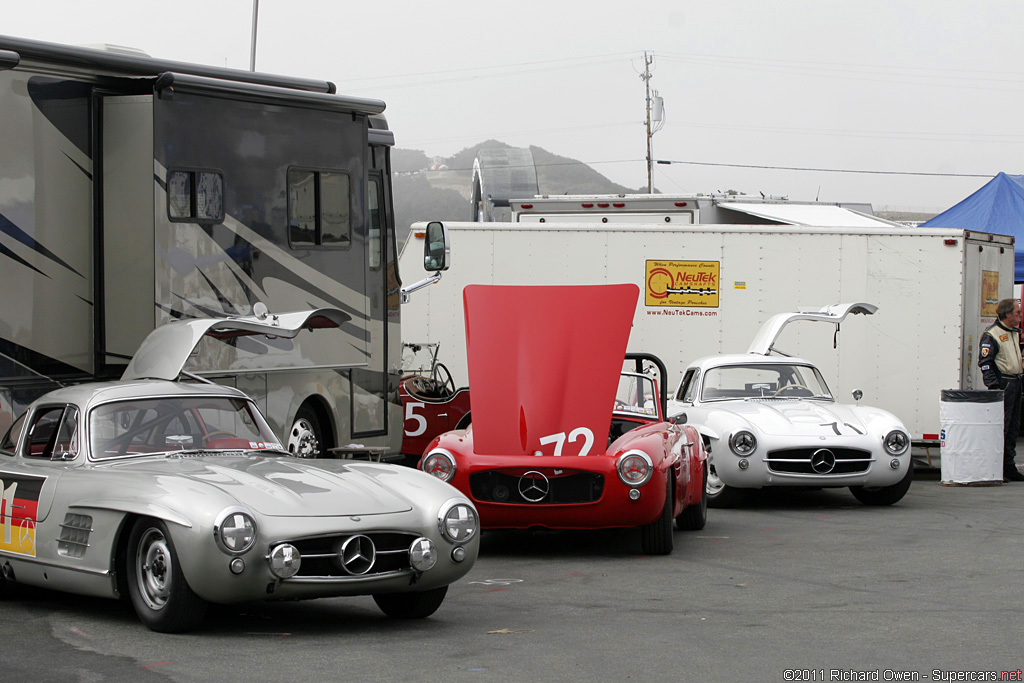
[(42, 432), (67, 445), (10, 440), (688, 388)]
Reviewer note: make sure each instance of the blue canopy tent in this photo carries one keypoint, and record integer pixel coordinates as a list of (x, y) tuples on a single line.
[(997, 207)]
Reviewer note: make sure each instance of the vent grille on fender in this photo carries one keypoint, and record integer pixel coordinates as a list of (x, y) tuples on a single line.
[(74, 535)]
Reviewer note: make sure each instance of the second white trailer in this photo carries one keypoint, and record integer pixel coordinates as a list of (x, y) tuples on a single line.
[(708, 289)]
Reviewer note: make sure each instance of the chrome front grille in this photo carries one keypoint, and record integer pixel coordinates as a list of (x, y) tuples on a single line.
[(349, 555), (540, 486), (74, 535), (815, 461)]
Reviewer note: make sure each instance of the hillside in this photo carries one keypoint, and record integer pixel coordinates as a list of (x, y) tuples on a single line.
[(440, 188)]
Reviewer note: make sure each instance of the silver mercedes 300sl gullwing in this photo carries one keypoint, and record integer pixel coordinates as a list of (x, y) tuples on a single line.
[(771, 421), (178, 494)]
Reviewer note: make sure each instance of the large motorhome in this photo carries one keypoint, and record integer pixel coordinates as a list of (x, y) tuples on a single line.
[(135, 191)]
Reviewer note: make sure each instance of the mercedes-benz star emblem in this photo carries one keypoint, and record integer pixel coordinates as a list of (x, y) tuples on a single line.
[(823, 461), (357, 554), (534, 486)]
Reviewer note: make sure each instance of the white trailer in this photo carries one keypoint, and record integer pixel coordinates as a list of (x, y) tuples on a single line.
[(709, 288)]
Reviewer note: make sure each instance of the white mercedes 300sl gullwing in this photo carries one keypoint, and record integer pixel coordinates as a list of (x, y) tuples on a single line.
[(771, 421), (177, 494)]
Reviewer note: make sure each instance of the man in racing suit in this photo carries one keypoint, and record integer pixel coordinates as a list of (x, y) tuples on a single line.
[(1001, 368)]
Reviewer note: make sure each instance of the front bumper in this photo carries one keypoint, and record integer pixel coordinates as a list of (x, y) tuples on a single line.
[(818, 465)]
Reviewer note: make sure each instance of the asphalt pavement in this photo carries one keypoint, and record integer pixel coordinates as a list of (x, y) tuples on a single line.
[(792, 586)]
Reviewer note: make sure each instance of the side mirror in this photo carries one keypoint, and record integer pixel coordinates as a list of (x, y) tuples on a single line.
[(679, 419), (436, 248), (857, 394)]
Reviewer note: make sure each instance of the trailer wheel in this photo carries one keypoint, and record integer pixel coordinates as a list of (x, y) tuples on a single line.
[(306, 435)]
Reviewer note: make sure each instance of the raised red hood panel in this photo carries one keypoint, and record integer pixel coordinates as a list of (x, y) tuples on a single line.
[(544, 362)]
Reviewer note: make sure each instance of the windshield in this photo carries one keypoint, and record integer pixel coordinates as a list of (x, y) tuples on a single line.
[(763, 381), (419, 358), (636, 395), (163, 425)]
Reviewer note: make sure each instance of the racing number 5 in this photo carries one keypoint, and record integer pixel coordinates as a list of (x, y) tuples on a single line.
[(574, 435), (410, 414)]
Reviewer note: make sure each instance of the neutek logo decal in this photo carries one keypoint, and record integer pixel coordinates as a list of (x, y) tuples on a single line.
[(691, 284)]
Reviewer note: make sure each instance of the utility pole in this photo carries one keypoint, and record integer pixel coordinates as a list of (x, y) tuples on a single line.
[(252, 52), (646, 77)]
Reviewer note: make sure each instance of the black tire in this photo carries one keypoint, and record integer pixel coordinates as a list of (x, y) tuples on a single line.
[(159, 592), (306, 436), (694, 517), (719, 494), (656, 537), (411, 605), (885, 495)]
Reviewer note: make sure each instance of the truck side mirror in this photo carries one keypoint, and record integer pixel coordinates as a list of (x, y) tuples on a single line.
[(436, 249)]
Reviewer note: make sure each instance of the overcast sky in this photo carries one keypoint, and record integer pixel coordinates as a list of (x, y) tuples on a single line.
[(930, 91)]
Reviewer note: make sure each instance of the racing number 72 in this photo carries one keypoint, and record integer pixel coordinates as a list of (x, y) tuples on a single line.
[(560, 439)]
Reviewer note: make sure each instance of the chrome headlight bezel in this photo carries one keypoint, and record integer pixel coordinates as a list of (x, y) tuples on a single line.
[(896, 442), (457, 521), (235, 530), (743, 443), (630, 457), (439, 463)]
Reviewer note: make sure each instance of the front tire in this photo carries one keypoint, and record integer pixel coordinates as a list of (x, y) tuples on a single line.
[(656, 538), (159, 592), (411, 605), (719, 494), (885, 495), (694, 517)]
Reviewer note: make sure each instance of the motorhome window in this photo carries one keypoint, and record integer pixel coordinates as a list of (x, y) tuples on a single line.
[(319, 208), (195, 196)]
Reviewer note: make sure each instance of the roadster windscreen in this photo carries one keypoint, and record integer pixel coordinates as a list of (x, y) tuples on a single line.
[(163, 425), (763, 381)]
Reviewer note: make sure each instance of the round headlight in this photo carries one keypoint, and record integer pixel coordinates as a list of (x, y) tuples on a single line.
[(235, 531), (439, 463), (457, 522), (422, 554), (896, 442), (635, 468), (743, 442), (285, 561)]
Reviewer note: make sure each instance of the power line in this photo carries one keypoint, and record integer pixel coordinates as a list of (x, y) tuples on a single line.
[(829, 170), (751, 166)]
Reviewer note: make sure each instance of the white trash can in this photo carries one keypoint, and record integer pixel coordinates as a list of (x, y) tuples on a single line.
[(972, 437)]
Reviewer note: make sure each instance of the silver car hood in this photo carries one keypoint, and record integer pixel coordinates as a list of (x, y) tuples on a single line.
[(281, 487), (802, 418)]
